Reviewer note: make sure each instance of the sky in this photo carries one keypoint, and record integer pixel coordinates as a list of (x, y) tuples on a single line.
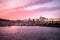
[(23, 9)]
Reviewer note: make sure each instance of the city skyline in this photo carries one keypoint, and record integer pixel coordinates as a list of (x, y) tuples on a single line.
[(23, 9)]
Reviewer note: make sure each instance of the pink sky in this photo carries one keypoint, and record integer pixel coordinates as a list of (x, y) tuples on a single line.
[(23, 9)]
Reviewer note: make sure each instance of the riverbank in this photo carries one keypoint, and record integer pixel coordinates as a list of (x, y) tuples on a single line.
[(4, 22)]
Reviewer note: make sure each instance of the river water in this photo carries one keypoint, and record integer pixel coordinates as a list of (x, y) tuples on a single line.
[(29, 33)]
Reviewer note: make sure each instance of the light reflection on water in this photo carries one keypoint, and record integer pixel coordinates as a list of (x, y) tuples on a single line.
[(14, 29), (11, 29), (29, 33)]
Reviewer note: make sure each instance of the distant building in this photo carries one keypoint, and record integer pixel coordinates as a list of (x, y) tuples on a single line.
[(56, 19)]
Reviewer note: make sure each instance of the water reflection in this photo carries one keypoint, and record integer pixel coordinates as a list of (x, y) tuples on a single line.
[(11, 29), (29, 33)]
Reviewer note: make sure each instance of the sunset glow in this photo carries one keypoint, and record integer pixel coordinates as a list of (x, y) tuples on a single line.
[(23, 9)]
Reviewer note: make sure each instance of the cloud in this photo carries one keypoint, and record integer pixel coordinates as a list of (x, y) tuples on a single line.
[(48, 14), (2, 1), (13, 3), (20, 9), (53, 4)]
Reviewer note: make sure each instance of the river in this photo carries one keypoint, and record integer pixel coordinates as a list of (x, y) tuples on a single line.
[(29, 33)]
